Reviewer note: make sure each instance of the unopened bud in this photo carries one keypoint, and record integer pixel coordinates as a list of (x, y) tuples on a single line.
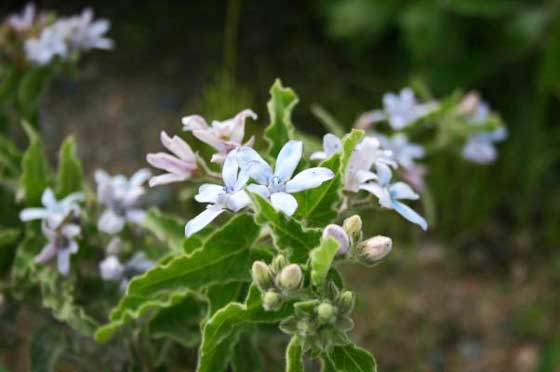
[(261, 275), (375, 249), (346, 302), (290, 277), (353, 224), (305, 328), (115, 247), (339, 234), (278, 263), (271, 301), (326, 313)]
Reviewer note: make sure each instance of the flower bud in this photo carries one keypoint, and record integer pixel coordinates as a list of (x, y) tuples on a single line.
[(339, 234), (326, 313), (261, 275), (346, 302), (353, 224), (290, 277), (278, 263), (305, 327), (271, 301), (374, 249)]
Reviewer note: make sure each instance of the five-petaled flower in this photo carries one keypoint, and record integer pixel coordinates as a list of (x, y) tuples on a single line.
[(61, 243), (331, 144), (231, 196), (400, 110), (179, 166), (390, 196), (54, 212), (122, 197), (278, 185), (223, 136)]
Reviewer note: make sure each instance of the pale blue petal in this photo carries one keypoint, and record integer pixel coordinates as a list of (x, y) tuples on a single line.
[(252, 163), (110, 223), (48, 199), (209, 193), (331, 144), (230, 169), (410, 214), (259, 189), (382, 193), (238, 201), (63, 261), (288, 160), (284, 202), (202, 220), (29, 214), (308, 179), (401, 190)]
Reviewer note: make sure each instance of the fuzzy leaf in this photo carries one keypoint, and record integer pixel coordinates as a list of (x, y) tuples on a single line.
[(224, 257), (318, 206), (31, 88), (352, 358), (10, 157), (289, 235), (280, 106), (294, 355), (246, 355), (167, 228), (34, 172), (224, 324), (321, 261), (219, 295), (47, 346), (70, 173)]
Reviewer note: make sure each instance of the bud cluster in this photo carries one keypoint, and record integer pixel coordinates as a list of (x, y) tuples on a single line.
[(321, 323), (278, 281)]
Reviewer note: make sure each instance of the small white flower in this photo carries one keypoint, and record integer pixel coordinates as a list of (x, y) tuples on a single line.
[(122, 197), (179, 166), (24, 20), (390, 196), (278, 185), (54, 212), (223, 136), (62, 243), (368, 153), (399, 110), (479, 148), (50, 44), (83, 33), (331, 144), (112, 269), (404, 152), (231, 196)]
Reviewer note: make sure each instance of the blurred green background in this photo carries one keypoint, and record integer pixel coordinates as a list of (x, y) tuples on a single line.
[(480, 292)]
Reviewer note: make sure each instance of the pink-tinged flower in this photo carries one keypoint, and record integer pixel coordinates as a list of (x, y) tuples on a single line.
[(223, 136), (179, 166), (23, 20), (62, 243), (415, 176)]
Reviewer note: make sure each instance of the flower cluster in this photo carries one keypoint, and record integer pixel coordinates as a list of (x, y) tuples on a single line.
[(112, 269)]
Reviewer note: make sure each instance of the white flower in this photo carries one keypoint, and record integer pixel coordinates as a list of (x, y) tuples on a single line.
[(404, 152), (55, 212), (24, 20), (223, 136), (390, 196), (50, 44), (83, 33), (122, 197), (278, 185), (368, 153), (231, 196), (62, 243), (179, 166), (331, 144), (479, 148), (399, 110), (112, 269)]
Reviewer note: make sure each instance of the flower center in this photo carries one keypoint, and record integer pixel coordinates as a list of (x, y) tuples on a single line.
[(276, 184)]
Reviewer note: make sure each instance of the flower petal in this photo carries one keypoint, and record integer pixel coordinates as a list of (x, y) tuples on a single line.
[(238, 130), (137, 216), (319, 155), (63, 261), (209, 138), (46, 254), (71, 230), (110, 223), (230, 169), (410, 214), (209, 193), (259, 189), (202, 220), (284, 202), (308, 179), (288, 159), (252, 163), (331, 144), (380, 192), (29, 214), (400, 190), (178, 147), (167, 178), (238, 201), (48, 199), (194, 122), (141, 176)]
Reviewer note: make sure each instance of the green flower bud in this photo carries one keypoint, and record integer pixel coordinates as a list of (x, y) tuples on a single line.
[(290, 277), (261, 275), (305, 328), (374, 249), (278, 263), (346, 302), (271, 301), (353, 224), (326, 313)]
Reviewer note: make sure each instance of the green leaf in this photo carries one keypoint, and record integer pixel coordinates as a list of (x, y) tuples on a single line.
[(10, 156), (167, 228), (289, 235), (220, 295), (224, 257), (352, 358), (47, 346), (31, 88), (8, 86), (8, 236), (70, 173), (318, 206), (246, 355), (224, 324), (294, 355), (181, 321), (34, 172), (280, 106), (321, 261)]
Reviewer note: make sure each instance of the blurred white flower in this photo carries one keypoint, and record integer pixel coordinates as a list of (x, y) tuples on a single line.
[(231, 196), (112, 269), (23, 20), (400, 110), (278, 185), (122, 197), (61, 243), (223, 136), (54, 212), (50, 44), (404, 152), (179, 166), (331, 144), (83, 33), (368, 153)]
